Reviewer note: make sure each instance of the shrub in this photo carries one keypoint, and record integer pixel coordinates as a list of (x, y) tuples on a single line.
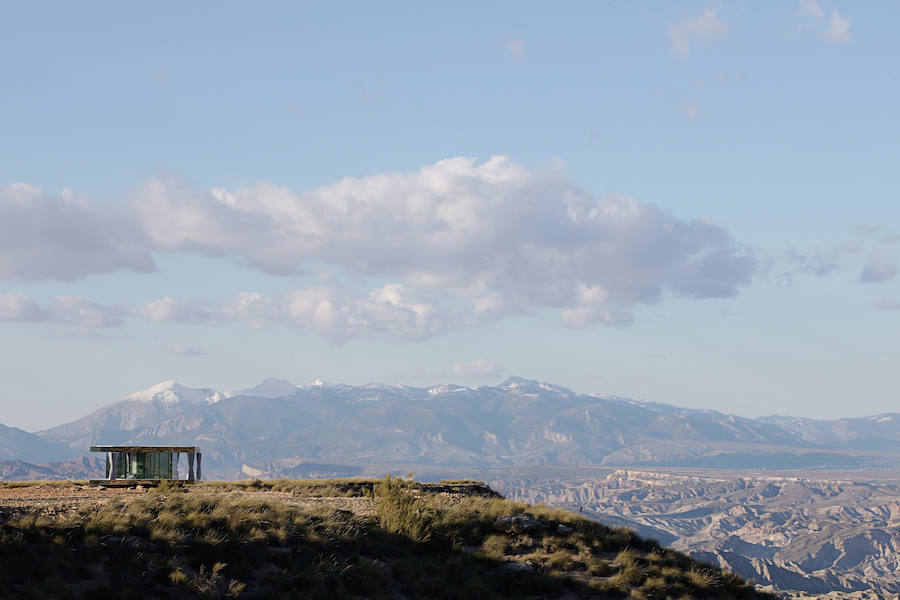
[(627, 558), (701, 578), (600, 568), (655, 587), (496, 545), (400, 510), (562, 560)]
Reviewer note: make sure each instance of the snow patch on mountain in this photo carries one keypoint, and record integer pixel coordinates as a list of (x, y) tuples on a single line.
[(446, 388), (171, 392)]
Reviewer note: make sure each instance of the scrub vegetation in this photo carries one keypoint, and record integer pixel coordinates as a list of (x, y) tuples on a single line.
[(422, 541)]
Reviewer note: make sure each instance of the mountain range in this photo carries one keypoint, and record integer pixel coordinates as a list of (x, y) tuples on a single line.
[(278, 428)]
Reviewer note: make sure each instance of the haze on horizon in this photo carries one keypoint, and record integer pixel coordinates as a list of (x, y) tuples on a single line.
[(693, 204)]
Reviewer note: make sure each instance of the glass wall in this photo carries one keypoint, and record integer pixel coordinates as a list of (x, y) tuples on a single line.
[(145, 465)]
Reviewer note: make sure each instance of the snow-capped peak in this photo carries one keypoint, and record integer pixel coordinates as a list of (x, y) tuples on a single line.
[(514, 382), (171, 392)]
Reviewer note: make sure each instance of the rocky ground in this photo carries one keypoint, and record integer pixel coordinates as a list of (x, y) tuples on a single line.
[(60, 498)]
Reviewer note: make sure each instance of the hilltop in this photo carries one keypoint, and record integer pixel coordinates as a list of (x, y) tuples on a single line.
[(327, 539)]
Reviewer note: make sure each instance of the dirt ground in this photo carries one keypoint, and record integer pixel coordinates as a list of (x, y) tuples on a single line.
[(60, 498)]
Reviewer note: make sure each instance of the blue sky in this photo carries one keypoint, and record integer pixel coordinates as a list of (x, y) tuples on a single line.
[(690, 203)]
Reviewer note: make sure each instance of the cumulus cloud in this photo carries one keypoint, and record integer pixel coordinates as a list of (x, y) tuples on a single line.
[(460, 242), (336, 313), (412, 255), (875, 233), (810, 9), (838, 31), (180, 349), (690, 110), (67, 310), (877, 269), (869, 253), (84, 313), (168, 310), (816, 263), (63, 237), (704, 28), (592, 307), (516, 48), (20, 308), (478, 368), (887, 304)]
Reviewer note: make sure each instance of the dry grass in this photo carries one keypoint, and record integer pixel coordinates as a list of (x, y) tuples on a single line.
[(40, 483), (217, 542)]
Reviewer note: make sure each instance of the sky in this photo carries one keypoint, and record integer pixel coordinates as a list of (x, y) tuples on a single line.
[(679, 202)]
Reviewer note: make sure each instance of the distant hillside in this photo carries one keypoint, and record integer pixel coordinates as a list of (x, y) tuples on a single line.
[(84, 467), (877, 432), (16, 444), (519, 422), (795, 533)]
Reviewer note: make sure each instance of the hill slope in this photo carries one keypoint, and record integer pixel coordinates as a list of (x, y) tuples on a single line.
[(389, 539)]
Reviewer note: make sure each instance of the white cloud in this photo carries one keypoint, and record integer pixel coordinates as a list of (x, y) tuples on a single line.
[(63, 237), (816, 263), (67, 310), (877, 270), (338, 314), (876, 233), (888, 304), (73, 310), (20, 308), (412, 255), (869, 253), (460, 243), (478, 368), (704, 28), (335, 313), (810, 9), (180, 349), (838, 31), (516, 48), (690, 110), (168, 310), (592, 307)]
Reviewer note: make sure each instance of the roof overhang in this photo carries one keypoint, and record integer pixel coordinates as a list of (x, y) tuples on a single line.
[(145, 449)]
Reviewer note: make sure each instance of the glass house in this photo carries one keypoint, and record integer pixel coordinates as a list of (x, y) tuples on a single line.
[(148, 465)]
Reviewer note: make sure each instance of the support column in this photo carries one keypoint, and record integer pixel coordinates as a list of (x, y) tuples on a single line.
[(109, 465), (112, 471), (190, 466), (199, 455)]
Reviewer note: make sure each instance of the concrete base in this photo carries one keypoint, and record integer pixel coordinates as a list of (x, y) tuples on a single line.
[(136, 482)]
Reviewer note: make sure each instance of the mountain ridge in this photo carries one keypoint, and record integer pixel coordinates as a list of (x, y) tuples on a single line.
[(518, 422)]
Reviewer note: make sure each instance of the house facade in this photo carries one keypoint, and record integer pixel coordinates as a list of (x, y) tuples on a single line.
[(148, 465)]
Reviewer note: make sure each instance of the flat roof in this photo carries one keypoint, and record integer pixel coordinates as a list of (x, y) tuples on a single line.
[(145, 449)]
